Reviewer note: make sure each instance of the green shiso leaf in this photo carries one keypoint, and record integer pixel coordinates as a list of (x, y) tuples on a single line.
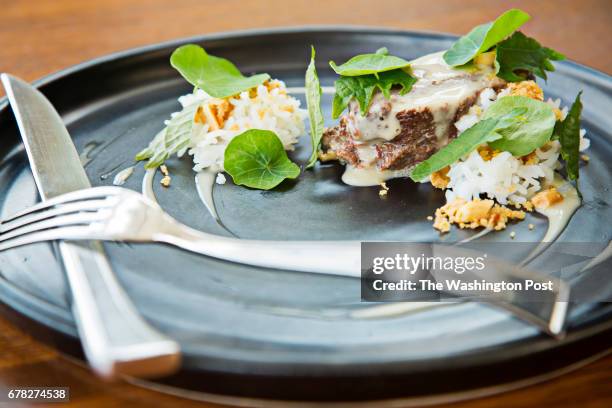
[(528, 131), (520, 55), (315, 115), (362, 89), (466, 142), (171, 139), (216, 76), (257, 159), (484, 36), (568, 134), (366, 64)]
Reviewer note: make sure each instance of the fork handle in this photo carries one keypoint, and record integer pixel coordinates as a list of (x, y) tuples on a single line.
[(291, 255), (115, 339)]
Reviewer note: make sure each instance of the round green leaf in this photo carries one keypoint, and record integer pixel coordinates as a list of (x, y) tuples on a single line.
[(257, 159)]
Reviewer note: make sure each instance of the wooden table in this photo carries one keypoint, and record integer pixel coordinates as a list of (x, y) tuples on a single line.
[(40, 37)]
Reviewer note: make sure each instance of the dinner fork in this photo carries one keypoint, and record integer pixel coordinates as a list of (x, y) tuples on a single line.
[(119, 214)]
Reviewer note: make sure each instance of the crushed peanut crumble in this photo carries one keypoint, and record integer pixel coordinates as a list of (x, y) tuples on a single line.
[(487, 153), (475, 214), (327, 156), (165, 181), (384, 190), (531, 158), (439, 179), (546, 198), (528, 89)]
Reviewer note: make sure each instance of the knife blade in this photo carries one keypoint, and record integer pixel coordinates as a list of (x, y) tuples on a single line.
[(115, 338)]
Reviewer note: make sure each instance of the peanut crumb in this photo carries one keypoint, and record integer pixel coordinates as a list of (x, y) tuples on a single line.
[(327, 156), (214, 113), (585, 158), (531, 227), (487, 153), (546, 198), (439, 179), (273, 84), (528, 206), (163, 169), (165, 181), (474, 214), (384, 190), (531, 158), (441, 224), (221, 110), (429, 218), (528, 89)]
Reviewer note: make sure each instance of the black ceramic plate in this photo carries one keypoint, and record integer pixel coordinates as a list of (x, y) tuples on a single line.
[(271, 334)]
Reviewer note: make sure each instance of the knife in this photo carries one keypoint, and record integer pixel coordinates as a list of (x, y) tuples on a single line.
[(115, 338)]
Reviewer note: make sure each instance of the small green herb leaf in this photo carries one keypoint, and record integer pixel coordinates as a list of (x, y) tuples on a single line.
[(362, 89), (216, 76), (519, 55), (173, 138), (366, 64), (568, 134), (484, 36), (466, 142), (257, 159), (315, 115), (530, 130)]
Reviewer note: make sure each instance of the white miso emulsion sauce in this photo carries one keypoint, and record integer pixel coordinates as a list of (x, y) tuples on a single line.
[(204, 180), (559, 214)]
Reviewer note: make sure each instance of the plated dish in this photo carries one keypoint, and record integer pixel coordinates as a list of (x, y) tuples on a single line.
[(470, 120), (298, 337)]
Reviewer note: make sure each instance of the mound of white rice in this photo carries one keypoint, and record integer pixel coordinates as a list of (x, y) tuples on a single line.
[(268, 108), (504, 178)]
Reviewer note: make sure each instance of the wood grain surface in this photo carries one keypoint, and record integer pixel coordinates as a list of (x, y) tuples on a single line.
[(40, 37)]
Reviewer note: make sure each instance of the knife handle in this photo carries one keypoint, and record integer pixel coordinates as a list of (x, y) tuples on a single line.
[(115, 338)]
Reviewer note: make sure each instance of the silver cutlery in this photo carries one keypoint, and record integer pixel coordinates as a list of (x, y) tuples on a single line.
[(119, 214), (115, 338)]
